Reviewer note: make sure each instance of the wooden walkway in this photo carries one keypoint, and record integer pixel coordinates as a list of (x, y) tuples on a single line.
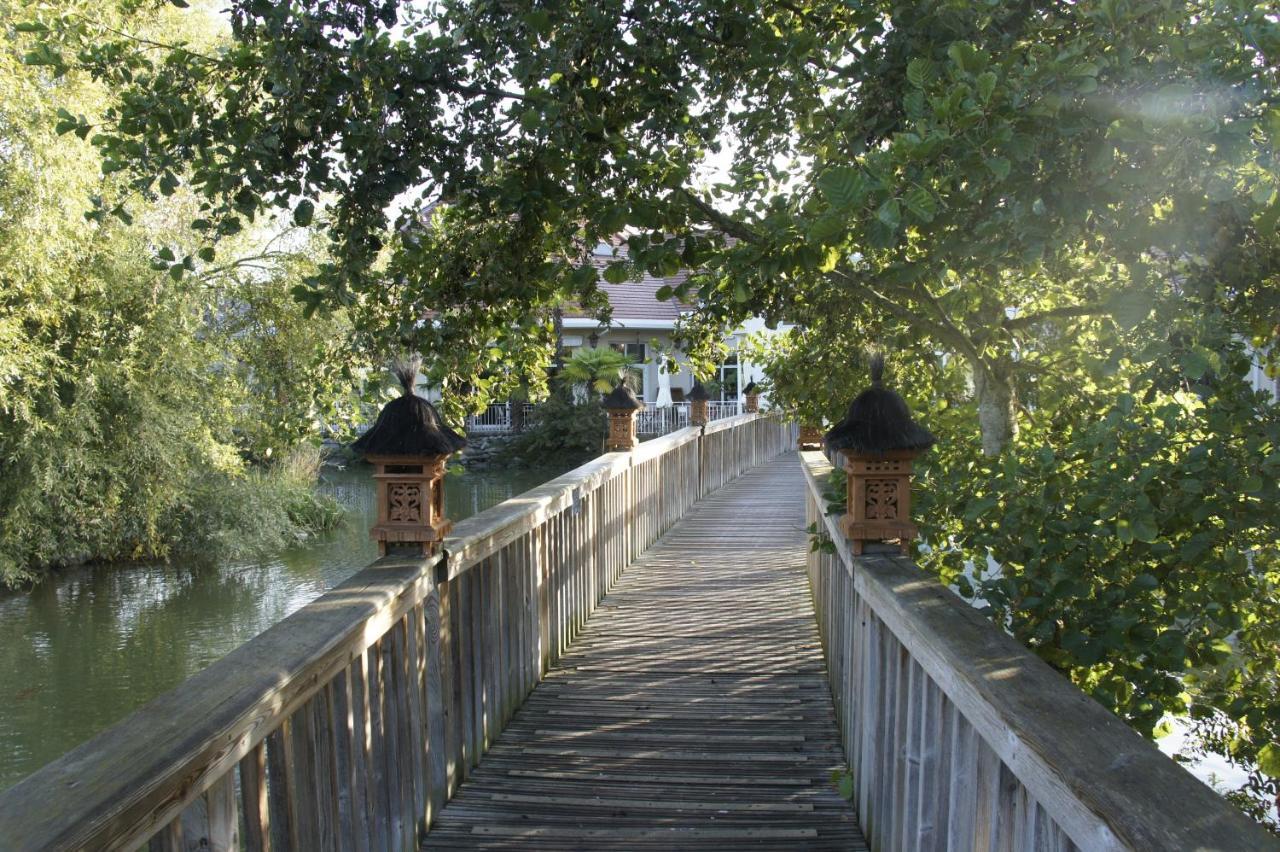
[(692, 712)]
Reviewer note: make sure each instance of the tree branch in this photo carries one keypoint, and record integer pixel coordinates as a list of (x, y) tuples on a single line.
[(723, 221), (1015, 323)]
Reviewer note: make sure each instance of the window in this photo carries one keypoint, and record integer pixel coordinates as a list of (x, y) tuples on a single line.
[(729, 379)]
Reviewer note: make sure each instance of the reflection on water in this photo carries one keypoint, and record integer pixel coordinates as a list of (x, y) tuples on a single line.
[(83, 650)]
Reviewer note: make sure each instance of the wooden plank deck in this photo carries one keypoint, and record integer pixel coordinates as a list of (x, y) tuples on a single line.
[(692, 712)]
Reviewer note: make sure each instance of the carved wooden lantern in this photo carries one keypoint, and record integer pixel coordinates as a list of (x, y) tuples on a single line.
[(409, 446), (751, 399), (810, 438), (622, 405), (698, 405), (878, 440)]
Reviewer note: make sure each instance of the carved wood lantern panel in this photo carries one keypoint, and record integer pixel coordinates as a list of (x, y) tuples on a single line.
[(810, 437), (879, 495), (410, 502), (622, 431)]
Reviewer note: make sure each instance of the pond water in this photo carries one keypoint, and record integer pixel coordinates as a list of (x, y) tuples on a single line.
[(84, 649)]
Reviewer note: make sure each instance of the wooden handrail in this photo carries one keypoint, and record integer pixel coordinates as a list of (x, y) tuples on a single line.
[(953, 729), (351, 722), (119, 787)]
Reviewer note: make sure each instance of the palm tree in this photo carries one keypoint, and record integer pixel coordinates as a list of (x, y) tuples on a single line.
[(598, 369)]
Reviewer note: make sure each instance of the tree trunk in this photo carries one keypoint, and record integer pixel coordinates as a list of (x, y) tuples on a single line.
[(993, 386)]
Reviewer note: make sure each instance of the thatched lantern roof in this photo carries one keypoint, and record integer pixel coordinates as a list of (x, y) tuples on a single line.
[(698, 393), (409, 425), (878, 421), (751, 388), (622, 398)]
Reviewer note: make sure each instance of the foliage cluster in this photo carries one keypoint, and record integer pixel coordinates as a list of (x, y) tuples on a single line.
[(564, 432), (131, 396)]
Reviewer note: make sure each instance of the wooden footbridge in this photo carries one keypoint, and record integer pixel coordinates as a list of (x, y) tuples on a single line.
[(628, 658)]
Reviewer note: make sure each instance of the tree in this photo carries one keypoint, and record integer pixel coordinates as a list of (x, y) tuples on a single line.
[(941, 163), (1058, 208), (126, 401), (596, 369)]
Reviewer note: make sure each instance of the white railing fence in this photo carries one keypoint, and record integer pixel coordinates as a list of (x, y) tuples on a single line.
[(650, 421)]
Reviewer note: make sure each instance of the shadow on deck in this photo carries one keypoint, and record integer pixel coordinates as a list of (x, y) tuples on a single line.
[(693, 710)]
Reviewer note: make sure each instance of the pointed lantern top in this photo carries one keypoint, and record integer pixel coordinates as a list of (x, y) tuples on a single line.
[(409, 425), (751, 388), (698, 392), (878, 421), (622, 398)]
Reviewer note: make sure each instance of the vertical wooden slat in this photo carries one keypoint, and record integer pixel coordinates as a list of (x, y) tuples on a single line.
[(417, 722), (434, 680), (253, 798), (909, 799), (380, 770), (169, 838), (305, 795), (327, 805), (223, 816), (280, 793), (364, 832), (451, 675)]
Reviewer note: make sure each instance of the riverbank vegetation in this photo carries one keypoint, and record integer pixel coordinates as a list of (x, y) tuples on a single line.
[(144, 414)]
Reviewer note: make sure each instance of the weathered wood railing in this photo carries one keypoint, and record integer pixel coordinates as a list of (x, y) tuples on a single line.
[(958, 737), (349, 724)]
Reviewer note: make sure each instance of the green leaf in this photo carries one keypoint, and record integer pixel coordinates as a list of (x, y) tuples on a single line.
[(303, 213), (890, 213), (999, 167), (918, 71), (1269, 759), (921, 204), (968, 57), (825, 228), (584, 276), (1130, 307), (842, 186), (986, 84), (206, 253), (1145, 529), (616, 273), (1194, 363)]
